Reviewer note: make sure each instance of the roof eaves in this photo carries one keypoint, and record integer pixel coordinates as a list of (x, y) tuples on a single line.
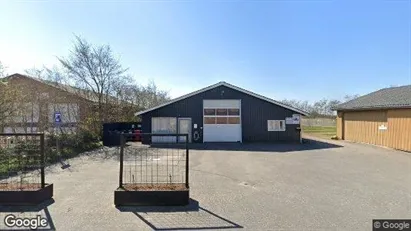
[(49, 84), (180, 98), (377, 107), (266, 99), (222, 83)]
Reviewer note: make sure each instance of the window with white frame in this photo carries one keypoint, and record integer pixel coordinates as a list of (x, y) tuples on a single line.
[(167, 125), (276, 125), (26, 113), (222, 116)]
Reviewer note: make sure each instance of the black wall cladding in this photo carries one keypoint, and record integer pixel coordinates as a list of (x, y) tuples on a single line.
[(254, 115)]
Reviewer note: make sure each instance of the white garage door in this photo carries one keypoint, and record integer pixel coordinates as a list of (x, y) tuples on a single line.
[(222, 121)]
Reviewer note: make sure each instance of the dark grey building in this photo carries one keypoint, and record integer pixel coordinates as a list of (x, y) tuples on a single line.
[(224, 113)]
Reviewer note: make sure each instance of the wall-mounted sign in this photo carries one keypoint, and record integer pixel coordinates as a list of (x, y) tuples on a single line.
[(289, 120), (57, 117), (195, 126), (293, 120), (382, 127)]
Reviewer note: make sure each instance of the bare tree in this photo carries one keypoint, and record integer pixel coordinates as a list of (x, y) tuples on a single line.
[(96, 70), (320, 106), (92, 72), (10, 101), (350, 97), (121, 105), (2, 70), (303, 105), (136, 97), (323, 107), (53, 76), (149, 96), (331, 105), (8, 97)]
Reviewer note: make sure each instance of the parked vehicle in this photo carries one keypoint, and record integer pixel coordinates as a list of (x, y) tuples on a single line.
[(137, 135), (112, 131)]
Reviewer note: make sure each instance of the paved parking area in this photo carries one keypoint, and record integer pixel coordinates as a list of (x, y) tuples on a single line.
[(314, 186)]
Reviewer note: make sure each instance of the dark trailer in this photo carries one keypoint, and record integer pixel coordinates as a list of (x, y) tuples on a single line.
[(224, 113)]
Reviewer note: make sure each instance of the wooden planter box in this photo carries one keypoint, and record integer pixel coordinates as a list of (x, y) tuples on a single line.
[(124, 197), (26, 197)]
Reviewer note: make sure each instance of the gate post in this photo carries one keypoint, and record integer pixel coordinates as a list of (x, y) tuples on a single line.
[(187, 162), (42, 161), (121, 159)]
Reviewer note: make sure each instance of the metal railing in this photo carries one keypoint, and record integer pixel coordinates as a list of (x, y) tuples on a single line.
[(22, 161), (161, 164)]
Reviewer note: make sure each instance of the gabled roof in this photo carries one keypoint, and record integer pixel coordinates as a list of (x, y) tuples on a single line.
[(72, 90), (82, 93), (393, 97), (229, 86)]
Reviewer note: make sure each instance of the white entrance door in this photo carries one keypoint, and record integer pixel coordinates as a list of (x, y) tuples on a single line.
[(222, 121), (184, 127)]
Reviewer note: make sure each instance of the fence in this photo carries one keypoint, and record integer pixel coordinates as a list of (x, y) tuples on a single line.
[(319, 122), (21, 161), (161, 165)]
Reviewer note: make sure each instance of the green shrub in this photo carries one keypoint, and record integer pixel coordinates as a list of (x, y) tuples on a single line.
[(22, 156), (70, 145), (27, 153)]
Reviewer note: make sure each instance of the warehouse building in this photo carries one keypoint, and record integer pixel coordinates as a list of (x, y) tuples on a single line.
[(381, 118), (224, 113)]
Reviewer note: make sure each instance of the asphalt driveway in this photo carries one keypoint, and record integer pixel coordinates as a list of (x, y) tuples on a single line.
[(313, 186)]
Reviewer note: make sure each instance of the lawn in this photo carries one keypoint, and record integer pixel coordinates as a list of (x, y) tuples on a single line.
[(320, 131)]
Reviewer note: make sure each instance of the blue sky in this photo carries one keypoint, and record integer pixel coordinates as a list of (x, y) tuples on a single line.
[(305, 50)]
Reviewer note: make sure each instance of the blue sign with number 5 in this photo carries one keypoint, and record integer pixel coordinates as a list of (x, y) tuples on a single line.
[(57, 117)]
